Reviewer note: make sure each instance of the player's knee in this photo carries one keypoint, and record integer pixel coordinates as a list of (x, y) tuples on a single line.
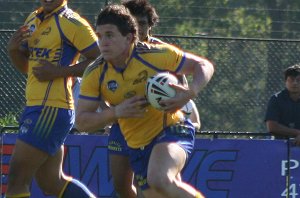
[(48, 188), (18, 178)]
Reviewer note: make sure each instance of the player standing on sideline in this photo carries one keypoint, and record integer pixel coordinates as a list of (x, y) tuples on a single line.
[(146, 18), (283, 111), (44, 48), (158, 150)]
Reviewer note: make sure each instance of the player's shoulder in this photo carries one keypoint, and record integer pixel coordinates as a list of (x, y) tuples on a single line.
[(154, 40), (72, 18), (33, 15), (145, 47), (98, 63)]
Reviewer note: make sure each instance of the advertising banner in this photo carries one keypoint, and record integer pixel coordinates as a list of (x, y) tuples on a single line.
[(220, 168)]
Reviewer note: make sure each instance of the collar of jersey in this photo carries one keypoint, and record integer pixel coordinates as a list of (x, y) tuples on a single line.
[(58, 10), (127, 61)]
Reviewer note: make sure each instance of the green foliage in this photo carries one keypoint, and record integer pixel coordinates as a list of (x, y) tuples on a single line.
[(223, 18), (8, 120)]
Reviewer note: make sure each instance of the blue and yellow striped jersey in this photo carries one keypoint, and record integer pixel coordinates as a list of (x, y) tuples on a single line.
[(59, 38), (102, 80)]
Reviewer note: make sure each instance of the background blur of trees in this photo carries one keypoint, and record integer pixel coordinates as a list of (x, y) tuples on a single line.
[(250, 42), (224, 18)]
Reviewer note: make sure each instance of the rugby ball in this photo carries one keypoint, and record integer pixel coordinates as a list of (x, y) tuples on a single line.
[(157, 88)]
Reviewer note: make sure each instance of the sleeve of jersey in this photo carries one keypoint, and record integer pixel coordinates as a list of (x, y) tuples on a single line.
[(81, 34), (174, 59), (90, 87)]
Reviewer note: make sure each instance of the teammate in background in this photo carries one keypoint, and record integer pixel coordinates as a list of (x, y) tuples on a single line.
[(159, 142), (146, 18), (190, 109), (45, 48), (283, 111)]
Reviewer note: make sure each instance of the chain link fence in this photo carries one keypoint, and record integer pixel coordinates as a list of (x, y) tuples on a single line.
[(12, 83), (247, 73)]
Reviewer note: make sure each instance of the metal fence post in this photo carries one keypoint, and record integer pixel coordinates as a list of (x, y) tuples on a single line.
[(288, 171)]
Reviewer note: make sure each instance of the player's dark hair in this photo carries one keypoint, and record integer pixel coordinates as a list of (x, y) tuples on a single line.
[(142, 8), (119, 16), (292, 71)]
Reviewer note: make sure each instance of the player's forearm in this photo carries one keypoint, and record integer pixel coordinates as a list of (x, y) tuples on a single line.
[(281, 130), (93, 121), (75, 70), (19, 60)]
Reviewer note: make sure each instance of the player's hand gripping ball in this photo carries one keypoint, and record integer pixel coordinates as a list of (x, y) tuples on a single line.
[(157, 88)]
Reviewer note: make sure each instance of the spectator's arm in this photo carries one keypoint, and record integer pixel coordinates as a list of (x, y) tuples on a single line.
[(278, 129)]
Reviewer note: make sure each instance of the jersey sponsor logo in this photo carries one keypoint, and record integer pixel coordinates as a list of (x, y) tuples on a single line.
[(57, 55), (39, 52), (46, 31), (142, 77), (112, 85), (130, 94), (25, 126), (141, 180), (114, 146), (36, 41), (28, 121)]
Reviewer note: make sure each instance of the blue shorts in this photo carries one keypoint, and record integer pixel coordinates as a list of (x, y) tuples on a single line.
[(45, 128), (183, 135), (116, 142)]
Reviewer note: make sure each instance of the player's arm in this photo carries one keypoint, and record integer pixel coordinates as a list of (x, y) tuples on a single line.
[(201, 70), (88, 119), (48, 71), (78, 69), (16, 52)]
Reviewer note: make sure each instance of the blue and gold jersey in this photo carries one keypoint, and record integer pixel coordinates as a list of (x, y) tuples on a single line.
[(103, 81), (59, 38)]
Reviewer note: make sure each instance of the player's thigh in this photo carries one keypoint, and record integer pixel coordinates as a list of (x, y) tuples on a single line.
[(121, 170), (25, 161), (166, 160)]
